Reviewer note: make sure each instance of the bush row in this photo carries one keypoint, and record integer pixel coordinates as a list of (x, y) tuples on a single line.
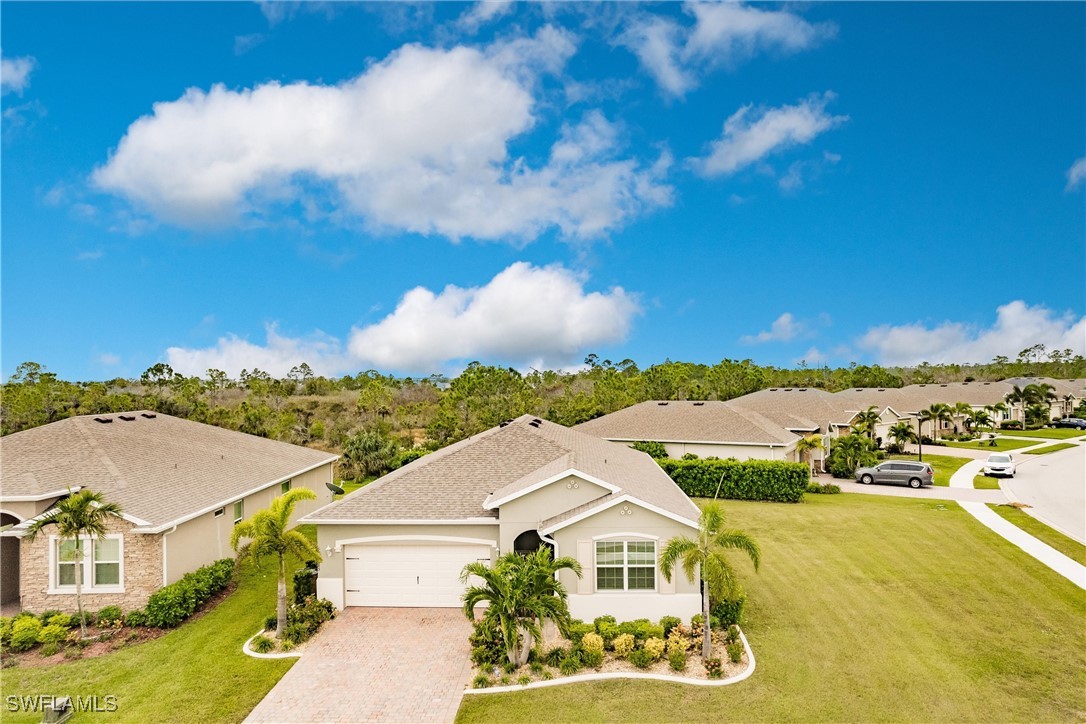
[(172, 604), (771, 480)]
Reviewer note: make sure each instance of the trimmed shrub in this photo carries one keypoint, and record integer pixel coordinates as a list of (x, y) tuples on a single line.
[(135, 618), (487, 647), (732, 634), (305, 619), (482, 681), (61, 619), (88, 618), (24, 633), (555, 656), (770, 480), (677, 642), (50, 649), (607, 628), (110, 616), (271, 622), (676, 659), (714, 668), (730, 611), (623, 645), (5, 630), (524, 680), (305, 582), (592, 658), (641, 658), (735, 651), (172, 604), (1010, 425), (823, 488), (295, 633), (651, 448), (669, 622), (592, 642), (569, 666), (52, 634), (262, 644), (577, 631), (655, 647), (536, 667), (46, 615)]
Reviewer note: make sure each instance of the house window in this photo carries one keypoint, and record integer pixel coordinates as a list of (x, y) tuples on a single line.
[(219, 513), (284, 487), (625, 565), (99, 566), (239, 511)]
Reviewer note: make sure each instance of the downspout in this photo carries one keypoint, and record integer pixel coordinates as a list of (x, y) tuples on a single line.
[(165, 580)]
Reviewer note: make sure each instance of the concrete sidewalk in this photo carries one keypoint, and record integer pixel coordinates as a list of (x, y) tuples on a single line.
[(935, 492)]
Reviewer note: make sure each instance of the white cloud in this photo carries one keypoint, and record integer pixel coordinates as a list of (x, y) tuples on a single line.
[(525, 314), (813, 356), (15, 74), (1076, 174), (109, 360), (89, 255), (1017, 326), (482, 13), (752, 134), (418, 142), (722, 35), (783, 329)]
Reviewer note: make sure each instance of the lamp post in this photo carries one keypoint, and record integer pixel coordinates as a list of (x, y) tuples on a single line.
[(919, 440)]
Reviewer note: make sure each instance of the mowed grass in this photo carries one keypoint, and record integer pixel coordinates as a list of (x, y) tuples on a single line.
[(1049, 433), (195, 673), (943, 465), (1050, 448), (1046, 534), (986, 482), (1002, 444), (867, 608)]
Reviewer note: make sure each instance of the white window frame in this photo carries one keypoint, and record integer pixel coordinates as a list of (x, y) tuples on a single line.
[(235, 505), (625, 565), (284, 487), (87, 565)]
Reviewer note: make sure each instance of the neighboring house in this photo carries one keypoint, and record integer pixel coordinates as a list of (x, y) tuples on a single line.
[(706, 429), (403, 539), (182, 486)]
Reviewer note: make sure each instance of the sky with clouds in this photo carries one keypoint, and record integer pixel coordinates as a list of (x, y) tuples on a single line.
[(410, 187)]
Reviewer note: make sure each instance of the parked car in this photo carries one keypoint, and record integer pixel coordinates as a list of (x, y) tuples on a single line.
[(900, 472), (999, 465), (1074, 422)]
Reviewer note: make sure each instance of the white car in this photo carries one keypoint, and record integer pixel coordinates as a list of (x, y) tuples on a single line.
[(999, 464)]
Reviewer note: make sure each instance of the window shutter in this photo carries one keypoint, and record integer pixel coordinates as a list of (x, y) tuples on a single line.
[(584, 557)]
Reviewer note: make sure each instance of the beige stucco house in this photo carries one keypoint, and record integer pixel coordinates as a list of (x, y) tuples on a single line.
[(404, 539), (182, 485)]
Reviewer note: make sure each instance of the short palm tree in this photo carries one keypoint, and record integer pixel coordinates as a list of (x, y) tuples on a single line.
[(851, 450), (707, 554), (902, 433), (79, 516), (979, 418), (1017, 396), (806, 446), (960, 411), (269, 534), (999, 408), (865, 421), (938, 412), (522, 591)]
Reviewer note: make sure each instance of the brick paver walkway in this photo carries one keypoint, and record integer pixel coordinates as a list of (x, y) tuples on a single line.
[(377, 665)]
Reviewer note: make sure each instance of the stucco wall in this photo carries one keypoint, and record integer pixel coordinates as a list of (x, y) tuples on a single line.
[(142, 556), (679, 597), (739, 452), (527, 512), (206, 539), (24, 510)]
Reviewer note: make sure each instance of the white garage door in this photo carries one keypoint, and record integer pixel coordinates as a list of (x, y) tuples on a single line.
[(405, 574)]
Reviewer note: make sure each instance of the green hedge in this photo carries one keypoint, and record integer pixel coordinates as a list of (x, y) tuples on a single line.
[(172, 604), (772, 480)]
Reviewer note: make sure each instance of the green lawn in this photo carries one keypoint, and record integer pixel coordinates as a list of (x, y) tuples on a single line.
[(867, 608), (1050, 448), (986, 482), (1051, 433), (195, 673), (1002, 444), (943, 465), (349, 486), (1065, 545)]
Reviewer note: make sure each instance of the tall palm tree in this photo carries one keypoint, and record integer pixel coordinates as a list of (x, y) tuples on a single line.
[(960, 411), (522, 591), (1017, 396), (865, 421), (938, 412), (707, 555), (902, 433), (979, 418), (269, 534), (78, 516), (999, 408), (806, 446)]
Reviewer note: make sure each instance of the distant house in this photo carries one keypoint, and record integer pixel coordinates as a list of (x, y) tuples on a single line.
[(182, 486), (404, 539)]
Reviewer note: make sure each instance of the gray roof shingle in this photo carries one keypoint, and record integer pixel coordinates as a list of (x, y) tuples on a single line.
[(159, 469), (685, 421)]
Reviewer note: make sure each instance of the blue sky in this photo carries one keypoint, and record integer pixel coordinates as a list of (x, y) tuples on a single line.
[(411, 187)]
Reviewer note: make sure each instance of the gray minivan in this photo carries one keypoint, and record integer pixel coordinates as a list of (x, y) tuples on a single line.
[(900, 472)]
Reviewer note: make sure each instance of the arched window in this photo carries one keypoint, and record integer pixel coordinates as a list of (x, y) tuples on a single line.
[(529, 542)]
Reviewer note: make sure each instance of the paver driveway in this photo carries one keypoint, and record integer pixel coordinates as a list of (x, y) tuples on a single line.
[(377, 665)]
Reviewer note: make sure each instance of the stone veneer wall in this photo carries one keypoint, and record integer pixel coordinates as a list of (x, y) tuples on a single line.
[(142, 573)]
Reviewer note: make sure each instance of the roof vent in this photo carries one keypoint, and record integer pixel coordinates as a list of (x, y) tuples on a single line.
[(103, 419), (127, 418), (787, 389), (882, 389), (772, 389), (942, 385), (503, 423), (148, 415), (921, 385), (987, 383), (698, 404), (802, 389), (535, 423), (661, 403)]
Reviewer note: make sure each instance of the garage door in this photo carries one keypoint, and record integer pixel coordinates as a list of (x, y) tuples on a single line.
[(404, 574)]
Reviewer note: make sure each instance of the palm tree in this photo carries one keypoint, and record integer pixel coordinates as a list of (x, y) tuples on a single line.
[(850, 450), (938, 412), (999, 408), (806, 447), (1017, 396), (902, 433), (960, 410), (269, 534), (866, 420), (979, 418), (78, 516), (707, 554), (522, 591), (1036, 414)]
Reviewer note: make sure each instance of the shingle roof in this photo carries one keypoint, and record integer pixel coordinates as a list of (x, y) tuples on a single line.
[(716, 422), (158, 469), (455, 482), (797, 408)]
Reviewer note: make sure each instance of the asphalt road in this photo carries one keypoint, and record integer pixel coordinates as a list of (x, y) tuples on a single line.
[(1055, 486)]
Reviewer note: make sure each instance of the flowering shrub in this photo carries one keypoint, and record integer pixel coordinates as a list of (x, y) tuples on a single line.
[(714, 668)]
